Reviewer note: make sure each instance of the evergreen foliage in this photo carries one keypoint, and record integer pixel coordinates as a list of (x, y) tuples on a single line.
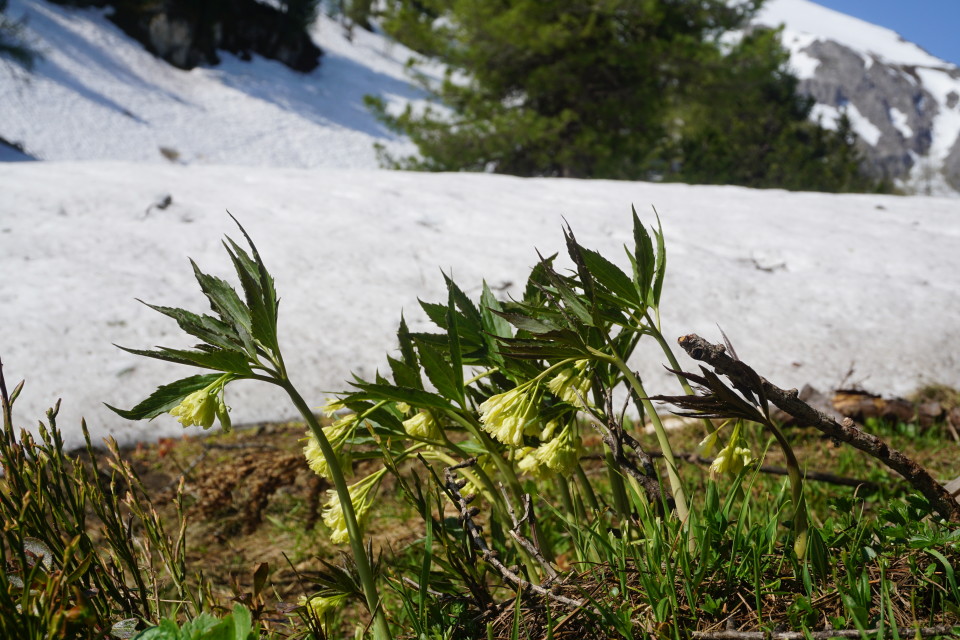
[(623, 89)]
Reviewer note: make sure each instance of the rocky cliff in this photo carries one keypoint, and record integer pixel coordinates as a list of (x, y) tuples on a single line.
[(903, 103)]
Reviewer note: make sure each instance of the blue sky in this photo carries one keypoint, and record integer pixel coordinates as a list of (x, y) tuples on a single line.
[(933, 24)]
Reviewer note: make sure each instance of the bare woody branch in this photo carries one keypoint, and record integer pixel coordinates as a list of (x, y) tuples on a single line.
[(467, 513), (745, 378), (905, 632)]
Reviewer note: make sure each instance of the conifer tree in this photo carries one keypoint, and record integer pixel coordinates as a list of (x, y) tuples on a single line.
[(624, 89)]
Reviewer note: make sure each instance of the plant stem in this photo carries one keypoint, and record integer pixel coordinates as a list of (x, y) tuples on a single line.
[(800, 524), (381, 631), (676, 486)]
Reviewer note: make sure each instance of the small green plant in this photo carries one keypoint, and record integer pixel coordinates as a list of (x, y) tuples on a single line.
[(82, 544), (236, 625)]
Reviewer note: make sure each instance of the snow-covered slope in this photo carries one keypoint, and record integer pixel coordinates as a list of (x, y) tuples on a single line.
[(98, 95), (903, 102), (805, 285)]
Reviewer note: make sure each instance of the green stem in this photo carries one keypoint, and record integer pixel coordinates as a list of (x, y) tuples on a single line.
[(381, 631), (800, 524), (674, 363), (676, 486), (587, 488), (620, 500)]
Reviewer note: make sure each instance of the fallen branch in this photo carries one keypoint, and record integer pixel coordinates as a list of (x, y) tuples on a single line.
[(904, 632), (467, 513), (746, 380)]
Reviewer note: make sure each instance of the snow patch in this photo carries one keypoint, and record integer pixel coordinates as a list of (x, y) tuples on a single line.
[(352, 249), (808, 17), (899, 120)]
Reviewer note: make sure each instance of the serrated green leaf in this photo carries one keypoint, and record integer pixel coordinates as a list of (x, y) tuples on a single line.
[(166, 397), (527, 323), (537, 279), (494, 325), (610, 275), (267, 289), (263, 312), (661, 264), (643, 258), (403, 375), (413, 397), (439, 371), (227, 304), (453, 333), (406, 346), (207, 328), (213, 358), (436, 312), (471, 315)]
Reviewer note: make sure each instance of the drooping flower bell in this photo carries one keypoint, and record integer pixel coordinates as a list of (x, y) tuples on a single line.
[(733, 458), (510, 415), (572, 384), (423, 425), (202, 407), (360, 497), (562, 454), (337, 435)]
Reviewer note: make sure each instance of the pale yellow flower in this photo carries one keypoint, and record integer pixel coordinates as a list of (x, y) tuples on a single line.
[(562, 454), (423, 425), (508, 416), (320, 605), (403, 407), (332, 406), (571, 385), (197, 409), (337, 434), (733, 458), (360, 499), (527, 463), (708, 444)]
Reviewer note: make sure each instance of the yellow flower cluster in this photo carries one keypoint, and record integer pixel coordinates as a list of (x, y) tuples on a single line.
[(361, 500), (572, 385), (337, 435), (733, 458), (200, 408), (508, 416), (558, 455)]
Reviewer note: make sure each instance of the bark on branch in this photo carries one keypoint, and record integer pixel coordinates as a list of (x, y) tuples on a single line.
[(744, 377)]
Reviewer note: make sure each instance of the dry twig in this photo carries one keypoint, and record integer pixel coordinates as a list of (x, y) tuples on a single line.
[(467, 514), (746, 380), (905, 632)]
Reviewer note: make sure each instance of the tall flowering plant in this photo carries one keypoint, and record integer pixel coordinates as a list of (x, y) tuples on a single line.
[(239, 342)]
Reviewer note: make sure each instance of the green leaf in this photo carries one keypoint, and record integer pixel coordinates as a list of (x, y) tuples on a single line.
[(207, 328), (166, 397), (267, 291), (227, 304), (537, 279), (643, 257), (471, 315), (610, 275), (527, 323), (263, 307), (242, 622), (436, 312), (494, 325), (413, 397), (406, 345), (453, 333), (439, 371), (404, 375), (661, 264), (216, 359)]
